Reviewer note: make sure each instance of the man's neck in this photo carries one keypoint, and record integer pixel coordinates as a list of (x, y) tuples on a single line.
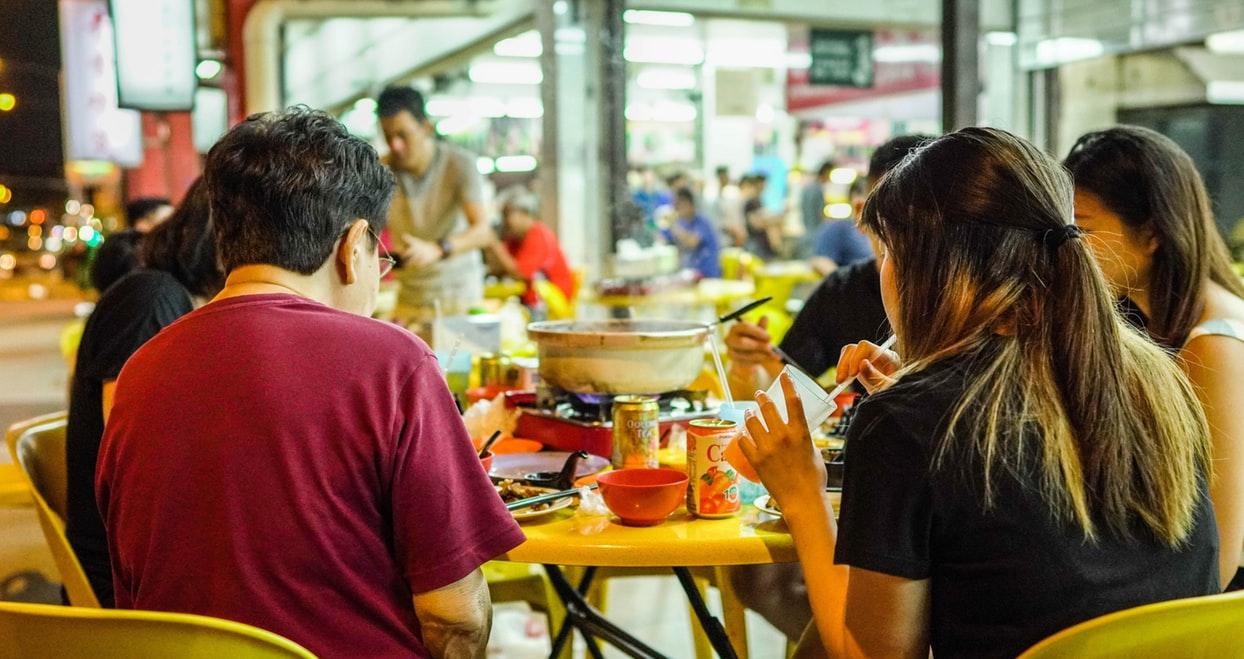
[(263, 279), (424, 162)]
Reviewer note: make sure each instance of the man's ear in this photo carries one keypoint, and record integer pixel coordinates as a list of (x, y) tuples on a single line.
[(351, 249)]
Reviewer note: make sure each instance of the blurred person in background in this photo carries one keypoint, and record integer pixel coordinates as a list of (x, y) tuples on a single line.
[(437, 220), (179, 271), (528, 248), (839, 242), (1149, 221), (694, 236), (118, 254), (764, 229), (812, 207), (724, 205)]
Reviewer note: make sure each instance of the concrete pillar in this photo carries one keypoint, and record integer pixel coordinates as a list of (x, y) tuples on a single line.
[(960, 63)]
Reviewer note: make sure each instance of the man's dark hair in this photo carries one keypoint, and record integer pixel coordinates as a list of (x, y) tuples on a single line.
[(285, 185), (722, 170), (685, 194), (398, 98), (141, 207), (185, 246), (889, 155), (826, 167)]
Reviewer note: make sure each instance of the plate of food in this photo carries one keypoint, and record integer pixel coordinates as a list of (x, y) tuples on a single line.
[(511, 491), (767, 504)]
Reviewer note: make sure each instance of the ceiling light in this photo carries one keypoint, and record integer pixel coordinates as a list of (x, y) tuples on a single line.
[(524, 108), (646, 50), (1226, 43), (526, 44), (506, 73), (843, 175), (484, 165), (1225, 92), (661, 18), (915, 52), (208, 69), (665, 79), (840, 211), (1001, 38), (1068, 49), (365, 105), (516, 163)]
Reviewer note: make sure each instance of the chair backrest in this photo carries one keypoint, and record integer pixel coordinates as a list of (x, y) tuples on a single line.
[(1205, 627), (40, 630), (38, 447)]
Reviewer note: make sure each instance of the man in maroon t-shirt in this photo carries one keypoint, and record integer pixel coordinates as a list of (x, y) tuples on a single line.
[(278, 458)]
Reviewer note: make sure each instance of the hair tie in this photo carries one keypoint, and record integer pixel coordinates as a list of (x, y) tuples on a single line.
[(1054, 238)]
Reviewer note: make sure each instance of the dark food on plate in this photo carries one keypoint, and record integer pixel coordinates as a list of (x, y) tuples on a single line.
[(512, 491)]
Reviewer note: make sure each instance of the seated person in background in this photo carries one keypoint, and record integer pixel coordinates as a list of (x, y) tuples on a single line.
[(1149, 221), (694, 236), (529, 249), (725, 208), (179, 272), (1030, 463), (812, 207), (119, 253), (839, 242), (764, 229), (280, 459), (845, 308)]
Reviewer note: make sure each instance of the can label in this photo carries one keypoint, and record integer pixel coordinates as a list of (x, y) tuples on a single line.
[(636, 432), (713, 490)]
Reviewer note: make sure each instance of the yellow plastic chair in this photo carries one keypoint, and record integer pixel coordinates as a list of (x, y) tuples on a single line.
[(558, 305), (38, 447), (1199, 627), (41, 630)]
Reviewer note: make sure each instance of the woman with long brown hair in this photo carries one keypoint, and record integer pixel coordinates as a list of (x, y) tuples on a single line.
[(1033, 463), (1144, 207)]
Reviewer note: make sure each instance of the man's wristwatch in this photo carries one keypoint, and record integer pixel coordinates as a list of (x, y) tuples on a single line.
[(447, 248)]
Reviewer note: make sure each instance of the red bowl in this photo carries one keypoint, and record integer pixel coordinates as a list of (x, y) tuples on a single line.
[(643, 497), (486, 461)]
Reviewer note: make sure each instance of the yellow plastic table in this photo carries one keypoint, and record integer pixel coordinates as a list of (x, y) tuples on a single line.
[(682, 541)]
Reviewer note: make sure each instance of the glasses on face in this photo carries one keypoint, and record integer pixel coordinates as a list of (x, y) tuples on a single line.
[(387, 262)]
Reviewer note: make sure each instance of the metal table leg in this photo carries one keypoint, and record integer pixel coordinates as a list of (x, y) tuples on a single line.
[(712, 627), (589, 622)]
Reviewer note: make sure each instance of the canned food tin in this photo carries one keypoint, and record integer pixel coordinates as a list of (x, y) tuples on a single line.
[(491, 369), (636, 432), (713, 490)]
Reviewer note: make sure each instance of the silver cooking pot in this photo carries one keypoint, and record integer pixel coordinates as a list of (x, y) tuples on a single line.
[(619, 356)]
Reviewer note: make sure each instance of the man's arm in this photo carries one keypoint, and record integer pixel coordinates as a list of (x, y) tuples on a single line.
[(478, 234), (455, 620)]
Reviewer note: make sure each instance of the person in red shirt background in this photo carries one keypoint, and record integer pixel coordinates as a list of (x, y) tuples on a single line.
[(529, 248)]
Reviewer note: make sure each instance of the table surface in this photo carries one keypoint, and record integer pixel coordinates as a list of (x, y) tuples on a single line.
[(566, 538)]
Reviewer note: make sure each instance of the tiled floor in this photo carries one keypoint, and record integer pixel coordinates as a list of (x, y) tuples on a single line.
[(654, 609)]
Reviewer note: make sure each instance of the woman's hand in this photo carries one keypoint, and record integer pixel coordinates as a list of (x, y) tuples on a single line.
[(868, 363), (782, 452), (751, 345)]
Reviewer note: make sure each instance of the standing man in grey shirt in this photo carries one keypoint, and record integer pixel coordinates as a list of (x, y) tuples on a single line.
[(437, 219)]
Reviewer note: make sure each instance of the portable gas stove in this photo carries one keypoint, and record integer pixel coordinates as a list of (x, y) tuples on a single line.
[(570, 422)]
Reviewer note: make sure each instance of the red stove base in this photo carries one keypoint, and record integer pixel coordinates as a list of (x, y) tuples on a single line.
[(571, 435), (563, 435)]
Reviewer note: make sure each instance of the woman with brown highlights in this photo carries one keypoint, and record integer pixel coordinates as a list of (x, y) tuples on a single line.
[(1148, 219), (1033, 462)]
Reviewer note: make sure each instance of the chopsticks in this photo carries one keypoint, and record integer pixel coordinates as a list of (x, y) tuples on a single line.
[(738, 313), (545, 498)]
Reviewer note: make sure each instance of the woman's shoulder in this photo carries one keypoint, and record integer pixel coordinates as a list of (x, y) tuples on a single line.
[(914, 410), (1223, 317)]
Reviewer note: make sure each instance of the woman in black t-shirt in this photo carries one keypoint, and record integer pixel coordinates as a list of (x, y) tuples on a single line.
[(178, 271), (1033, 463)]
